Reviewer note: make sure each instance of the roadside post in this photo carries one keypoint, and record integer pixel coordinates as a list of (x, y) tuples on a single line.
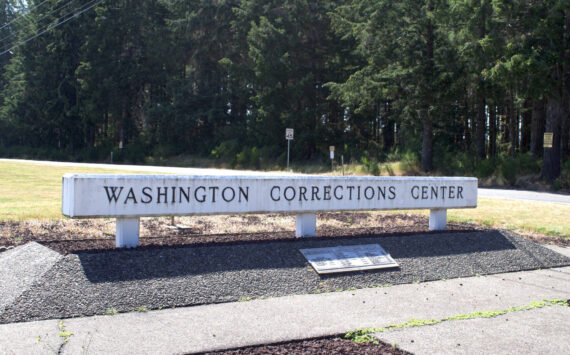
[(289, 137), (331, 148)]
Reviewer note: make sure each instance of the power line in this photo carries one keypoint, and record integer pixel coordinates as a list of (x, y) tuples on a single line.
[(22, 16), (36, 22), (81, 11)]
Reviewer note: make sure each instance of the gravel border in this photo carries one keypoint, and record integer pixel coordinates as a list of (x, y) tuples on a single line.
[(21, 267), (90, 283)]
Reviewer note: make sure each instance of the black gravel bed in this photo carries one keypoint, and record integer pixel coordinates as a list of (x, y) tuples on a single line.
[(90, 283)]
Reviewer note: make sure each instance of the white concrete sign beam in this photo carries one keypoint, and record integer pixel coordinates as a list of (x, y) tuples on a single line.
[(128, 197)]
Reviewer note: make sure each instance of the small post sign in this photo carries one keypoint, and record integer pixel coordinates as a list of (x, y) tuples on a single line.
[(331, 149), (289, 137), (548, 137)]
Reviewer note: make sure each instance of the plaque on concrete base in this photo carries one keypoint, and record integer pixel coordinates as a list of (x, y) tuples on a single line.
[(348, 258)]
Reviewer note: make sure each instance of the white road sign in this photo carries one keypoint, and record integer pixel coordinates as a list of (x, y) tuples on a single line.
[(289, 134)]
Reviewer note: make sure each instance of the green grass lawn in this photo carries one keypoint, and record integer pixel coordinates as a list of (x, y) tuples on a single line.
[(30, 190), (33, 191)]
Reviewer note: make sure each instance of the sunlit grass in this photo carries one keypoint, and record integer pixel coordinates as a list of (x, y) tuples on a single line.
[(29, 190), (33, 191), (520, 216), (546, 218)]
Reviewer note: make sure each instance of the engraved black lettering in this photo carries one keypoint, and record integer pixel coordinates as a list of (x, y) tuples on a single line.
[(350, 188), (315, 193), (213, 189), (113, 196), (367, 195), (173, 194), (302, 193), (293, 194), (416, 194), (327, 193), (358, 194), (382, 192), (335, 194), (424, 192), (131, 196), (224, 194), (185, 193), (392, 190), (147, 192), (243, 193), (459, 192), (434, 192), (452, 192), (443, 188), (278, 193), (163, 194), (202, 198)]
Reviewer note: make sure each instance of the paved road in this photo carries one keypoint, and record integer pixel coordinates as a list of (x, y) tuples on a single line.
[(483, 192), (524, 195)]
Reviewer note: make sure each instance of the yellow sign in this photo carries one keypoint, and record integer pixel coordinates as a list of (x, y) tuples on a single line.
[(547, 140), (331, 148)]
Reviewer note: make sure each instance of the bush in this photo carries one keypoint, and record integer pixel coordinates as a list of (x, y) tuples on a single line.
[(563, 181), (371, 165), (511, 168), (410, 164), (486, 168)]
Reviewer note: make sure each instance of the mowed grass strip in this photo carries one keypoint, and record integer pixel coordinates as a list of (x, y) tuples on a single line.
[(33, 191), (541, 217)]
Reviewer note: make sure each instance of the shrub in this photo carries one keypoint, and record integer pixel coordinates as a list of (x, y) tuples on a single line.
[(410, 164), (371, 165), (486, 168)]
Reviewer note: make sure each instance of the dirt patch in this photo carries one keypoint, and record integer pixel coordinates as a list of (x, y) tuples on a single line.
[(70, 236)]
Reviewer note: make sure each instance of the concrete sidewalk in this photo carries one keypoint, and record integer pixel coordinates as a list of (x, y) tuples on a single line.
[(230, 325)]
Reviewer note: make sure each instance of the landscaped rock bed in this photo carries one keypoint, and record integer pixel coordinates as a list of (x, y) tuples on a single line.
[(182, 266)]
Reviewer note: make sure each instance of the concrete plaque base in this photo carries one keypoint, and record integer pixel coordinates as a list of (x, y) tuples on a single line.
[(348, 258)]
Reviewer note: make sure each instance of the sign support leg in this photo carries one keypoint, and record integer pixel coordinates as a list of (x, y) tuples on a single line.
[(306, 225), (437, 219), (127, 232), (288, 145)]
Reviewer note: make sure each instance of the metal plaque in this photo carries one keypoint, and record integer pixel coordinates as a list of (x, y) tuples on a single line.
[(548, 139), (348, 258)]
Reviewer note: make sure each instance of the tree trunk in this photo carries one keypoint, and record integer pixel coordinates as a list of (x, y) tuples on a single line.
[(492, 131), (427, 138), (526, 126), (427, 143), (513, 127), (388, 131), (565, 127), (551, 160), (537, 128), (481, 126)]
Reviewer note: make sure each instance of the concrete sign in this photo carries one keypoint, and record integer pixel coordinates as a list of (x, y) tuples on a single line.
[(161, 195), (129, 197), (348, 258)]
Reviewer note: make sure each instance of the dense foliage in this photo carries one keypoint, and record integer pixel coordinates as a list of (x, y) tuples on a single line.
[(442, 80)]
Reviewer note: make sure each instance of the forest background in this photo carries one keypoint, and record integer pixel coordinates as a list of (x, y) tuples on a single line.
[(450, 86)]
